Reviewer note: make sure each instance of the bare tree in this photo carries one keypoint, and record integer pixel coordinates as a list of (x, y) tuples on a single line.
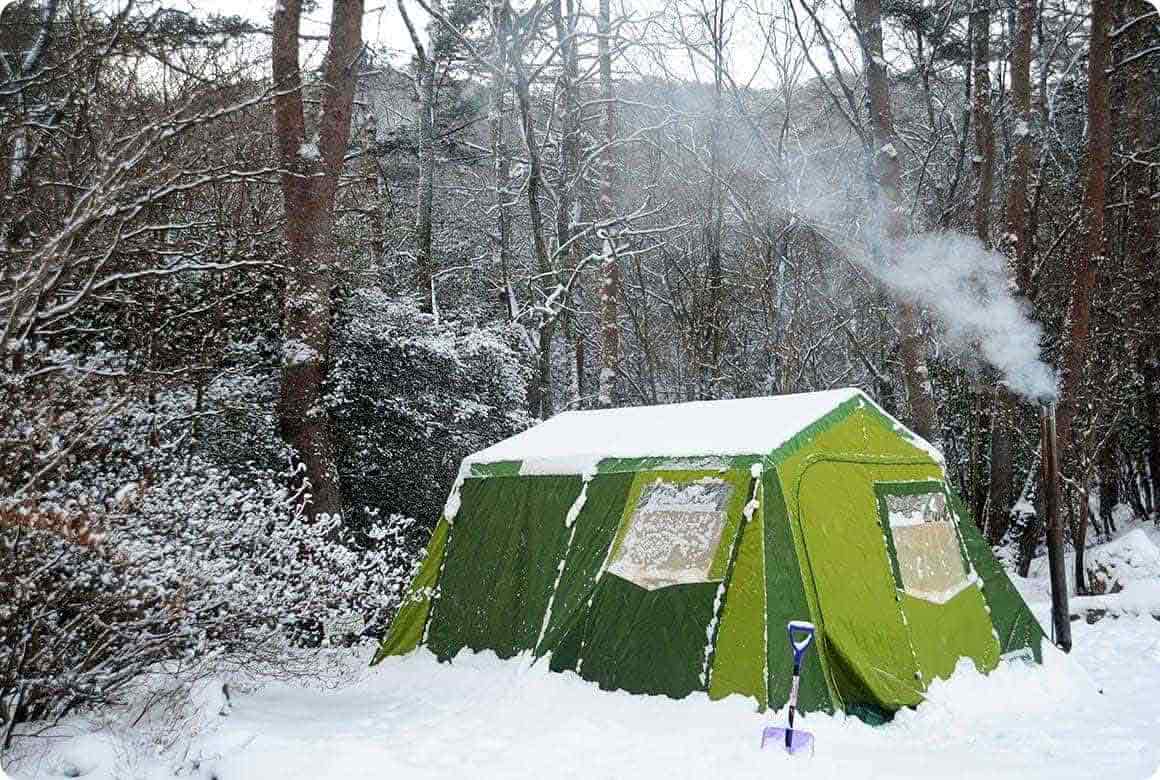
[(1018, 244), (1090, 255), (425, 65), (609, 264), (891, 224), (311, 166), (1142, 243), (502, 195)]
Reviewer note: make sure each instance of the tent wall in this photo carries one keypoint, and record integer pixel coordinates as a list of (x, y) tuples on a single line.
[(512, 574), (879, 647), (506, 543), (1015, 626), (406, 630), (739, 648), (591, 536), (651, 641), (787, 599)]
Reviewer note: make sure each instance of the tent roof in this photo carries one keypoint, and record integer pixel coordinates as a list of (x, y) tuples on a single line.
[(574, 442)]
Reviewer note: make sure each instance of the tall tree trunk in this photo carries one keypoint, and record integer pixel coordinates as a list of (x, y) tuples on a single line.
[(1093, 249), (1091, 255), (1018, 240), (984, 159), (425, 190), (608, 391), (424, 64), (891, 225), (1018, 243), (991, 511), (567, 204), (309, 181), (710, 338), (544, 267), (1109, 485), (568, 106), (1142, 240), (502, 196)]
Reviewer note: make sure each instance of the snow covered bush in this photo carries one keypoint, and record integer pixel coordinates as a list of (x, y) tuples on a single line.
[(129, 540), (412, 397)]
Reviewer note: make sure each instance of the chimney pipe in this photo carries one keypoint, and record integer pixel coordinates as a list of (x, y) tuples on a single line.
[(1060, 614)]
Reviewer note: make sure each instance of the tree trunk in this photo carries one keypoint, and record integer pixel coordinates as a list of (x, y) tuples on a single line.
[(569, 123), (1109, 486), (502, 196), (987, 500), (1079, 540), (425, 188), (999, 487), (1017, 243), (608, 391), (709, 349), (1093, 249), (544, 266), (1152, 412), (567, 204), (1018, 240), (1092, 254), (309, 182), (984, 159), (1142, 241), (890, 223)]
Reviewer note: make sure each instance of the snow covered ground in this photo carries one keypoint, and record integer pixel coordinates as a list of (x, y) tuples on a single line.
[(1095, 713)]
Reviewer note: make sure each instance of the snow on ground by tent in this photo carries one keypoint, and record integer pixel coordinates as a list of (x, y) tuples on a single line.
[(573, 441), (1127, 568), (1093, 714)]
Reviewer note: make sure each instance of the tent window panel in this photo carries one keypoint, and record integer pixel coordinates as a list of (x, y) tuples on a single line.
[(673, 534), (930, 563)]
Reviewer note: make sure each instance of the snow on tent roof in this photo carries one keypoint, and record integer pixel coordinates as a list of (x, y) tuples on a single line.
[(573, 442)]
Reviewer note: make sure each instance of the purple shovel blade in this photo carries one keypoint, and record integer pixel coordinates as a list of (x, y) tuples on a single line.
[(799, 740)]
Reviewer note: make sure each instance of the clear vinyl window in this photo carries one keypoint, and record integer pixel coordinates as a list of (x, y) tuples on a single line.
[(926, 545), (673, 533)]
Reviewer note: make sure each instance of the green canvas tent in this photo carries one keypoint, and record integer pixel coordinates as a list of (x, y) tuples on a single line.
[(663, 549)]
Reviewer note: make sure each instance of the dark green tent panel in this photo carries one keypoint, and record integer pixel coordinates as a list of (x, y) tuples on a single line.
[(501, 564), (662, 550)]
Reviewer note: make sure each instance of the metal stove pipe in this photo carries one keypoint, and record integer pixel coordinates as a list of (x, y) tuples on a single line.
[(1060, 615)]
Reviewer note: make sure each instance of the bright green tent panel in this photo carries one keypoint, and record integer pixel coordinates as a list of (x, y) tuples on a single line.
[(852, 582), (787, 599), (881, 655), (507, 542), (406, 629), (1015, 626), (739, 650), (957, 627)]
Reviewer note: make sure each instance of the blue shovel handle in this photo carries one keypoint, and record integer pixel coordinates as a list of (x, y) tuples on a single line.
[(801, 636)]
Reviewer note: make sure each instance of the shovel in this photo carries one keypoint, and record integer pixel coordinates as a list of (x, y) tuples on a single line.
[(801, 635)]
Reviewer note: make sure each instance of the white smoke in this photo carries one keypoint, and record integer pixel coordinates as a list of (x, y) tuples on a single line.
[(965, 286)]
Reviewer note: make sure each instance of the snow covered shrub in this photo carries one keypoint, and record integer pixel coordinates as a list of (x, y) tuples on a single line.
[(412, 397), (79, 620), (131, 540)]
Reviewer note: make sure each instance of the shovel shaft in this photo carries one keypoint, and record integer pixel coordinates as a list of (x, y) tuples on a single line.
[(793, 694)]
